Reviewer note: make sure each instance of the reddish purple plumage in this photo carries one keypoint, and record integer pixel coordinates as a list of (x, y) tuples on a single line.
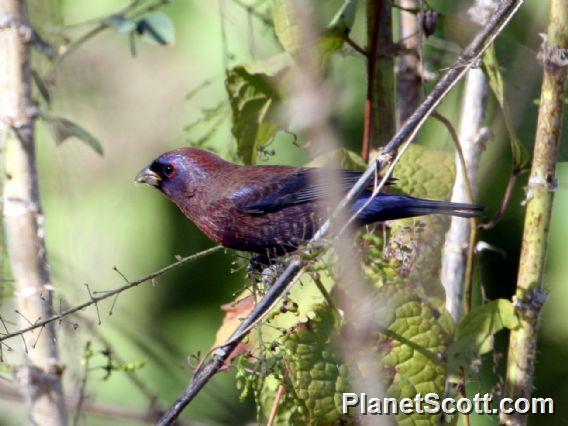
[(265, 209), (212, 190)]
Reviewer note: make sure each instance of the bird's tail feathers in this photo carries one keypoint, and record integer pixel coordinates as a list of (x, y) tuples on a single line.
[(392, 207), (421, 207)]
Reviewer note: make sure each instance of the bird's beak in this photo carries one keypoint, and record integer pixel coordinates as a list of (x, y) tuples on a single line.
[(148, 176)]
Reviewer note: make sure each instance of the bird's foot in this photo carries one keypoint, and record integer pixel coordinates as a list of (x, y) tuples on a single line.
[(263, 269)]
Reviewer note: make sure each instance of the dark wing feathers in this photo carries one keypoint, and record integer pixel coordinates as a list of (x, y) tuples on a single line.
[(299, 187)]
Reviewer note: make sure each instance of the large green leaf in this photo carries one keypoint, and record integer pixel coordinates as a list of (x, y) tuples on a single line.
[(412, 347), (318, 377), (425, 173), (254, 97)]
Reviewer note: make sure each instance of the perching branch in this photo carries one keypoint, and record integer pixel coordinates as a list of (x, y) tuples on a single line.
[(40, 377), (111, 293), (530, 295), (398, 143)]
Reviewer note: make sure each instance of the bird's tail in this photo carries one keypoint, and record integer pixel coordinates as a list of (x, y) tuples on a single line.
[(390, 207)]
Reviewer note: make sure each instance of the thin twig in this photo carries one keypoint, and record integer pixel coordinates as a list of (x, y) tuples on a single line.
[(275, 405), (87, 357), (402, 138), (355, 46), (265, 19), (115, 412), (455, 138), (96, 299), (505, 201)]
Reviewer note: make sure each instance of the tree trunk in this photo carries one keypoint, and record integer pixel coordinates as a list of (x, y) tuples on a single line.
[(530, 296), (409, 65), (40, 376)]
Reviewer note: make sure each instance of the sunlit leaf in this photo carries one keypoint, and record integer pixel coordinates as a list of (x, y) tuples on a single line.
[(286, 25)]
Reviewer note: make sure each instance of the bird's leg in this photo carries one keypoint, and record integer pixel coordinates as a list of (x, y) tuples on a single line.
[(257, 264), (262, 268)]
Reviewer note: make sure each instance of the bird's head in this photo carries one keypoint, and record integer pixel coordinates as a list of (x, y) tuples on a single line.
[(181, 172)]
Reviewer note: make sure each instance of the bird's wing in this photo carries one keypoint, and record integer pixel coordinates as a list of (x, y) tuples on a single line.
[(300, 186)]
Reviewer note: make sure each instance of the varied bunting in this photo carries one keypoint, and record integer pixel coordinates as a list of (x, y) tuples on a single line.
[(269, 210)]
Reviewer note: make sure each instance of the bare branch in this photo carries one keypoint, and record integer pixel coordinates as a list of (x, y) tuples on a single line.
[(96, 299), (115, 412)]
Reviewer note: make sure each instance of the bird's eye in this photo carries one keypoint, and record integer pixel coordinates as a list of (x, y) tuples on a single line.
[(169, 170)]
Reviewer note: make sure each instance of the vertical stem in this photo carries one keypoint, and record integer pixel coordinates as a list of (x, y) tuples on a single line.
[(40, 377), (457, 244), (380, 102), (530, 296), (409, 69)]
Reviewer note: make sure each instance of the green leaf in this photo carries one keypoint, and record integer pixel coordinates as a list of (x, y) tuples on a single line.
[(286, 26), (318, 377), (425, 173), (120, 23), (340, 26), (254, 98), (344, 18), (63, 129), (412, 347), (156, 28), (491, 67), (474, 335)]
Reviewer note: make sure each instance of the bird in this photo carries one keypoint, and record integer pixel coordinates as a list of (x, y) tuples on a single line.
[(271, 210)]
